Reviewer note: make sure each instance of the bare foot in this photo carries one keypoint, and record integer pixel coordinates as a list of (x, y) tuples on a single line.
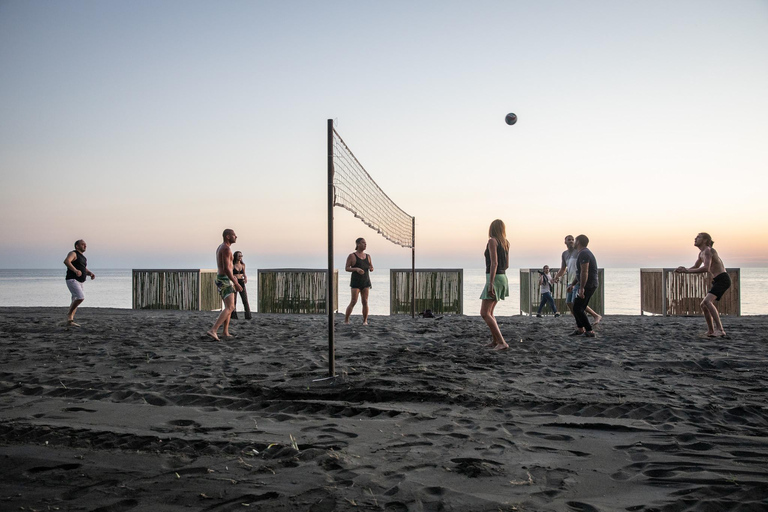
[(346, 321), (228, 336), (71, 323), (597, 319), (212, 336), (365, 323), (501, 346)]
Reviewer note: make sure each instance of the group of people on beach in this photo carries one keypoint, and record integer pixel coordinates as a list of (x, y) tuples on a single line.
[(578, 265)]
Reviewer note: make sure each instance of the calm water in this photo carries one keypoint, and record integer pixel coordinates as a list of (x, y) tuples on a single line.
[(112, 289)]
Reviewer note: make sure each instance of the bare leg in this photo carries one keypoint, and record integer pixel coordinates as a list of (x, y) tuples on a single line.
[(355, 293), (596, 317), (364, 298), (73, 310), (486, 311), (223, 319), (714, 325)]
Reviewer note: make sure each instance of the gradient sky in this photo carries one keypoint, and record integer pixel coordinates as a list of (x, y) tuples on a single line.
[(147, 127)]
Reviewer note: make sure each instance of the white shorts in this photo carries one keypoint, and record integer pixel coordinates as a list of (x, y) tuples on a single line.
[(76, 288)]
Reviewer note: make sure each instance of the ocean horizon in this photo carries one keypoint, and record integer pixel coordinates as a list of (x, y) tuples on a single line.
[(112, 289)]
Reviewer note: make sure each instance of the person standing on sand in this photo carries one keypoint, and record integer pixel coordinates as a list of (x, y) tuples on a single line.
[(238, 270), (360, 264), (587, 279), (77, 271), (709, 261), (226, 283), (545, 288), (496, 284), (568, 264)]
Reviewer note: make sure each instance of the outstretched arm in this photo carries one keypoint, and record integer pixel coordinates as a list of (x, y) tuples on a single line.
[(703, 262)]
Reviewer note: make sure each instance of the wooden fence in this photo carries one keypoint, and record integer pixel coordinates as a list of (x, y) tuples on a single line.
[(186, 289), (295, 290), (665, 292), (530, 296), (438, 289)]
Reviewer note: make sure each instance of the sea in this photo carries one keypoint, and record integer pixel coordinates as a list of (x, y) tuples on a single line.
[(112, 289)]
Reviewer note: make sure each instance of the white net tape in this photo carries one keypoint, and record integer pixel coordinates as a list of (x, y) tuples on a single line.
[(356, 191)]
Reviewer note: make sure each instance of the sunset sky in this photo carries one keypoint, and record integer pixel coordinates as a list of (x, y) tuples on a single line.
[(147, 127)]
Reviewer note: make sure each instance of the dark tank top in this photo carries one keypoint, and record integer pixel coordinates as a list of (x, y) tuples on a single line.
[(364, 280), (80, 263), (502, 257)]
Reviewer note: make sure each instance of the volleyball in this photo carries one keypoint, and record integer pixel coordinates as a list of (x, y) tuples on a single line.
[(511, 119)]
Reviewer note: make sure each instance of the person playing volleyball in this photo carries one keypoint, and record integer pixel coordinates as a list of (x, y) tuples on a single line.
[(360, 264), (496, 284)]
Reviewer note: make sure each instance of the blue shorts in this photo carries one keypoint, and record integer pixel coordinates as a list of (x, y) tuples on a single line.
[(569, 296)]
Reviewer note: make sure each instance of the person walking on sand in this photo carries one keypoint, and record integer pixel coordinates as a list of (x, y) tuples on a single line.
[(360, 264), (587, 279), (77, 271), (568, 268), (545, 287), (496, 284), (226, 284), (238, 270), (709, 261)]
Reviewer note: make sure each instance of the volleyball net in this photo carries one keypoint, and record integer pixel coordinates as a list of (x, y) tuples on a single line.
[(356, 191), (352, 188)]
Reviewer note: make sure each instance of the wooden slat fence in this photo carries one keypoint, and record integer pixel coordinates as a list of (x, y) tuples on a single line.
[(530, 296), (665, 292), (183, 289), (295, 290), (438, 289)]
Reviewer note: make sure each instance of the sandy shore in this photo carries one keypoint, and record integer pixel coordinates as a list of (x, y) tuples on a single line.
[(136, 411)]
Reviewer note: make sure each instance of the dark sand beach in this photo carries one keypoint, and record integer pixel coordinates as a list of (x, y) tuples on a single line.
[(135, 410)]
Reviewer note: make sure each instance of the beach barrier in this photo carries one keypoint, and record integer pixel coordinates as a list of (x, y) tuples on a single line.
[(185, 289), (666, 292), (295, 290), (530, 296), (438, 289)]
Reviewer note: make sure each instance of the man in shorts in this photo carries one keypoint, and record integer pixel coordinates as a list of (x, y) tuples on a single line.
[(77, 271), (568, 263), (709, 261), (226, 283)]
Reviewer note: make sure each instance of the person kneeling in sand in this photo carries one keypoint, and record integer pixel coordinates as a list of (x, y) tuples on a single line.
[(709, 261), (226, 283)]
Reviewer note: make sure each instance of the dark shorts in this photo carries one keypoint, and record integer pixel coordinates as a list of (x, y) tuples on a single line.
[(720, 284)]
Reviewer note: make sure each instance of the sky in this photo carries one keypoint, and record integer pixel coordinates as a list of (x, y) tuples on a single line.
[(148, 127)]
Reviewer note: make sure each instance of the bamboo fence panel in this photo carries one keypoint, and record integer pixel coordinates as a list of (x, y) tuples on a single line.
[(174, 289), (295, 290), (438, 289), (666, 292), (530, 295)]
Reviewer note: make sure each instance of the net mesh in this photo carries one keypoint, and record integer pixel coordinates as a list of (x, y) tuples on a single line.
[(355, 190)]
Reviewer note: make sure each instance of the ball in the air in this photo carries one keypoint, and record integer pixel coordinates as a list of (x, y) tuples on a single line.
[(511, 119)]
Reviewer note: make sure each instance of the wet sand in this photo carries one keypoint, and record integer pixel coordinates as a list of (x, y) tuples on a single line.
[(135, 410)]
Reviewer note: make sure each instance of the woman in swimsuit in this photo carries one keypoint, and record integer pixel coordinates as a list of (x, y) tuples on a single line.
[(360, 264), (496, 284), (238, 270)]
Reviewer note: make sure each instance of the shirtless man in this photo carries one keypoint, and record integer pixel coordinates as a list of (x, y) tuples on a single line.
[(226, 283), (709, 261), (568, 262)]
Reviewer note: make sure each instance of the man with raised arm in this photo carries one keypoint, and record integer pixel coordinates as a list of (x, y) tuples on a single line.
[(709, 261), (226, 283), (77, 271), (568, 262)]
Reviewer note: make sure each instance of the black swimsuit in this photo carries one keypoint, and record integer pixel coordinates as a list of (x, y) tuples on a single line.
[(361, 281)]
